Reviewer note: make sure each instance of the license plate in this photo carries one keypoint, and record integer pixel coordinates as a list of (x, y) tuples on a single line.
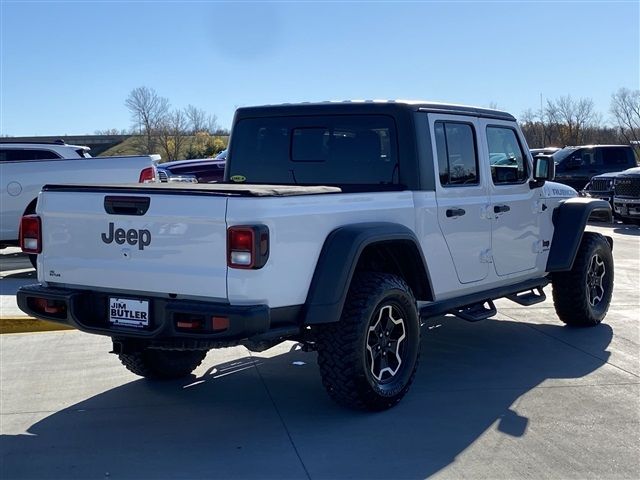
[(129, 312)]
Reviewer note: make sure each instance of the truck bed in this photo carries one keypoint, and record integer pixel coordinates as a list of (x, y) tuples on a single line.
[(227, 189)]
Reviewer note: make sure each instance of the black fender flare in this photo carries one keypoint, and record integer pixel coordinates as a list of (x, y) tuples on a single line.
[(337, 263), (569, 220)]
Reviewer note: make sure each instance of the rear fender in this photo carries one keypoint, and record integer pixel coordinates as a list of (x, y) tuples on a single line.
[(339, 258)]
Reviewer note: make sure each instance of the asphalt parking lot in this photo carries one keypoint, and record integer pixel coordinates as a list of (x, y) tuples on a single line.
[(517, 396)]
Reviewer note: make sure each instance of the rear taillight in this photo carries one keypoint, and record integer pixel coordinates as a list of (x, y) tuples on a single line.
[(148, 175), (247, 246), (30, 234)]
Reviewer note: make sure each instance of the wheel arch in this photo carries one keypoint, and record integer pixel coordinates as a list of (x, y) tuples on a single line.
[(382, 246), (569, 221)]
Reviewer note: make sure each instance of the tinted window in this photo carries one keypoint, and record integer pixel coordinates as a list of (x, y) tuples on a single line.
[(561, 155), (322, 150), (19, 154), (614, 156), (589, 158), (457, 159), (310, 145), (508, 162)]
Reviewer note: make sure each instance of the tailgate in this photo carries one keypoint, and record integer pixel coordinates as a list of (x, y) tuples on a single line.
[(134, 241)]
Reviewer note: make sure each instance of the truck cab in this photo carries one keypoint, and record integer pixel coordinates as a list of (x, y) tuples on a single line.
[(576, 166)]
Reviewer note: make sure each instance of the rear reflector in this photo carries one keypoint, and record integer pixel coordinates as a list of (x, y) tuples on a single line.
[(54, 308), (190, 325), (219, 323), (30, 234), (247, 246), (198, 323)]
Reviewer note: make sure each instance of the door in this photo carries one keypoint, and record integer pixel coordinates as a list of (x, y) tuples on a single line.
[(515, 206), (461, 194)]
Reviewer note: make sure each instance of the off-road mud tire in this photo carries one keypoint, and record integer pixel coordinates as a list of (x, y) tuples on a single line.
[(345, 353), (162, 364), (572, 296)]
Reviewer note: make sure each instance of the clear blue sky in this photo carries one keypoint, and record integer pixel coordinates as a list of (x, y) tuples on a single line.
[(67, 67)]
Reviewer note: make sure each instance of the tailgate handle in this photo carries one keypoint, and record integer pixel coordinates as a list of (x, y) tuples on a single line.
[(126, 205)]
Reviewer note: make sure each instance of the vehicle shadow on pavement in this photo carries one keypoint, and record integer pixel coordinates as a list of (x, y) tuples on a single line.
[(621, 228), (240, 419), (627, 230)]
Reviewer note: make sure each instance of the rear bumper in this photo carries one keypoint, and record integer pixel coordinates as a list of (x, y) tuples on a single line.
[(88, 311)]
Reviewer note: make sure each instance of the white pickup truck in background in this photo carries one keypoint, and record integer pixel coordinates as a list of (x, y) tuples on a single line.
[(26, 167)]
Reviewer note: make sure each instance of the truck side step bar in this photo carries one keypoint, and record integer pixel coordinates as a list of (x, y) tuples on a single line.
[(476, 312), (531, 297), (455, 305)]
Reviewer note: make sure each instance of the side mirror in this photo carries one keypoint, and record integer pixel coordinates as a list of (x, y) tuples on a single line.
[(544, 168)]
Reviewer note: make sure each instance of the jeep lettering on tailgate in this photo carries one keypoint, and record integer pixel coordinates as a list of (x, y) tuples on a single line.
[(131, 236)]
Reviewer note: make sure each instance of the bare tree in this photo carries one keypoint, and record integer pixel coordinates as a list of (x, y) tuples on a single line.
[(197, 119), (212, 124), (148, 110), (533, 128), (173, 130), (571, 117), (625, 108)]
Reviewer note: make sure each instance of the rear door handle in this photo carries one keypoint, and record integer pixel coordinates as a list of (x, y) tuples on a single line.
[(501, 208), (455, 212)]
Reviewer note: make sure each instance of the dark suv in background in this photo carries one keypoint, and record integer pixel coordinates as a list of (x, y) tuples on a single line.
[(575, 166)]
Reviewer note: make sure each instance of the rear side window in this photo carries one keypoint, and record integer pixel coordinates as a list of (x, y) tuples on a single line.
[(457, 158), (615, 157), (506, 157), (322, 150), (587, 158), (21, 154)]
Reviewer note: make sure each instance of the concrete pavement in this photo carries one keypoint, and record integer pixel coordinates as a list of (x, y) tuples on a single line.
[(518, 396), (16, 271)]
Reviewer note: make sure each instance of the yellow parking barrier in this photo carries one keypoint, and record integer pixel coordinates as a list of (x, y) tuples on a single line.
[(28, 324)]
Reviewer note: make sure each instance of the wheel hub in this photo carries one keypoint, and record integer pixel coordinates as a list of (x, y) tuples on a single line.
[(385, 341), (595, 276)]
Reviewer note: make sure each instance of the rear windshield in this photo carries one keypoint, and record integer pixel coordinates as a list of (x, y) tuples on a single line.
[(319, 150)]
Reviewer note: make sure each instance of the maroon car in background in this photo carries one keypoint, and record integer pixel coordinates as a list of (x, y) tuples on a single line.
[(201, 170)]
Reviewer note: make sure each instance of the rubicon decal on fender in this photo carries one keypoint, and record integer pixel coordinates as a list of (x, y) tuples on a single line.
[(142, 238)]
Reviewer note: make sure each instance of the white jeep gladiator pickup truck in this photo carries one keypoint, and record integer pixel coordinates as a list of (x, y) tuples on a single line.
[(26, 167), (339, 225)]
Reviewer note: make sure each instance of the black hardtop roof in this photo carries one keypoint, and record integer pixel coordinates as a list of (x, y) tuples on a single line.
[(389, 107)]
